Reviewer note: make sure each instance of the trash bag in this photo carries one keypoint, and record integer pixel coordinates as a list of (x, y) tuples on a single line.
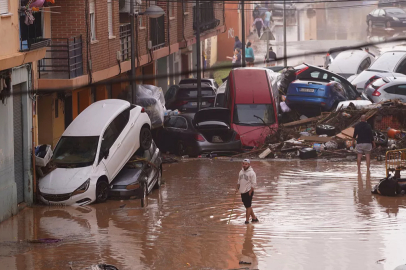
[(288, 76), (387, 187), (152, 99)]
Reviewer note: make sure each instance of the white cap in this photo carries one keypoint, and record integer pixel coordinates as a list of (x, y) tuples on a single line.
[(247, 161)]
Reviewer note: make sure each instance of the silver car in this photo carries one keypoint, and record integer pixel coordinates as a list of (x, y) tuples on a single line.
[(387, 88), (351, 62)]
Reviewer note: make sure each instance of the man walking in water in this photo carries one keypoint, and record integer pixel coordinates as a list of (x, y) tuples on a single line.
[(365, 141), (247, 181)]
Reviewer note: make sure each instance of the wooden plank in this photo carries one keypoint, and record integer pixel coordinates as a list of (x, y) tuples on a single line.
[(301, 122)]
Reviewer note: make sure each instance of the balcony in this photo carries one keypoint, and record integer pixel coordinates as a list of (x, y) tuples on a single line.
[(207, 18), (157, 32), (63, 60), (125, 41), (31, 37)]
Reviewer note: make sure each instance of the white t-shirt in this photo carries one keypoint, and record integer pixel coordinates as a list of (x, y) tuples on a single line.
[(247, 179)]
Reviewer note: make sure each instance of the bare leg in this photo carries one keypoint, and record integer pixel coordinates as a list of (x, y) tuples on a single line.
[(247, 214), (252, 213), (368, 157), (359, 157)]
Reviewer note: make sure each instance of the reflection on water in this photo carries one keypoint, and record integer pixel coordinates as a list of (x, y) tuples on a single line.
[(313, 215)]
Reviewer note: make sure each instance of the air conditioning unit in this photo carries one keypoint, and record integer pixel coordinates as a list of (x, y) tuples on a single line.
[(124, 5), (149, 44)]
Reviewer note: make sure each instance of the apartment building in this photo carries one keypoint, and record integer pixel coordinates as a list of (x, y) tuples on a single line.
[(19, 55), (90, 42)]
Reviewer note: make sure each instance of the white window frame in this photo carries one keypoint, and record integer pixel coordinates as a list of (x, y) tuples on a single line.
[(4, 7), (92, 18), (138, 9), (110, 18)]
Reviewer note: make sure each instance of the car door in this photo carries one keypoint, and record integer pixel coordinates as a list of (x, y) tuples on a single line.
[(112, 154), (401, 92)]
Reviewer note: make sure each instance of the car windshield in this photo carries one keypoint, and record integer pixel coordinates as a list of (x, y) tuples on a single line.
[(395, 11), (75, 151), (387, 61), (192, 92), (254, 114)]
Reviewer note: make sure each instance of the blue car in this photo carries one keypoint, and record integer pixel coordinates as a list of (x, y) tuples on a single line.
[(307, 96)]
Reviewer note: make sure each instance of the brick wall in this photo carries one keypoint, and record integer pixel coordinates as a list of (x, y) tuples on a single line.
[(71, 22)]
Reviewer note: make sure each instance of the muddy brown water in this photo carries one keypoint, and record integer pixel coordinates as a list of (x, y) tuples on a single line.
[(313, 215)]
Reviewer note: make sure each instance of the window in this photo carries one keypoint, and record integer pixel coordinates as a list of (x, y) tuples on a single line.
[(184, 6), (75, 151), (192, 92), (364, 65), (171, 93), (401, 90), (171, 9), (92, 17), (390, 90), (3, 6), (137, 10), (181, 123), (250, 114), (381, 13), (110, 17), (170, 122), (376, 13)]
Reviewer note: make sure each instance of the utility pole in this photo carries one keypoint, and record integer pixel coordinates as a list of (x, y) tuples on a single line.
[(132, 82), (243, 33), (285, 60), (199, 75)]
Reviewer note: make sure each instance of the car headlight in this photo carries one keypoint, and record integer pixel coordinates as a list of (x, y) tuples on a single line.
[(395, 19), (82, 188)]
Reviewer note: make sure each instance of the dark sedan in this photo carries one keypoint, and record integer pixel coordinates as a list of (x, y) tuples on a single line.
[(183, 97), (387, 17), (207, 132), (139, 176)]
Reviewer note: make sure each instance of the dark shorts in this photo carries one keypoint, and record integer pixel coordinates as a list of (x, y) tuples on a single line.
[(249, 60), (247, 199)]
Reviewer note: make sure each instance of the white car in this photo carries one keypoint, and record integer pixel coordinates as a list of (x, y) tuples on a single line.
[(351, 62), (390, 62), (93, 150)]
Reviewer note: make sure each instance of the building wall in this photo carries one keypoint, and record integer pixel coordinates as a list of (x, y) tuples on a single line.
[(9, 28), (225, 41)]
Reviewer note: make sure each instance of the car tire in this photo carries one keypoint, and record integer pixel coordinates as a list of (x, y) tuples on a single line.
[(388, 24), (181, 149), (326, 130), (380, 138), (145, 138), (159, 180), (102, 191)]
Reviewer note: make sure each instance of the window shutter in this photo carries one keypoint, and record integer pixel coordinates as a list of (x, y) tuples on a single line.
[(3, 6), (110, 17), (91, 6)]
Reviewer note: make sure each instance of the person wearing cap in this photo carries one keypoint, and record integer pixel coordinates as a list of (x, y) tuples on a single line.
[(247, 182)]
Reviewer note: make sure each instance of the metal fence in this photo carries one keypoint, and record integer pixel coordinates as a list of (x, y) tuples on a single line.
[(64, 57)]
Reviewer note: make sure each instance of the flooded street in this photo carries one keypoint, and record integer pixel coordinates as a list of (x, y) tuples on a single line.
[(313, 215)]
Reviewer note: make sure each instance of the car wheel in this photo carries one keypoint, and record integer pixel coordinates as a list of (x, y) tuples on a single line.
[(159, 180), (145, 138), (380, 138), (326, 130), (102, 191), (181, 149), (388, 24)]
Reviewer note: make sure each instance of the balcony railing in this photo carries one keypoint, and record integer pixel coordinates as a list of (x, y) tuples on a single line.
[(207, 18), (125, 41), (157, 32), (31, 34), (63, 60)]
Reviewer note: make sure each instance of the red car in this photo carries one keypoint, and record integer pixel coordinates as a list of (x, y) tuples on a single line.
[(252, 97)]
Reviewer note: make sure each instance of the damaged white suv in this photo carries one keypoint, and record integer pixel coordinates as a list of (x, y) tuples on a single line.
[(93, 150)]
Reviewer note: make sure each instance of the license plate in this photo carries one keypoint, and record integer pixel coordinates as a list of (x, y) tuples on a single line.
[(307, 90)]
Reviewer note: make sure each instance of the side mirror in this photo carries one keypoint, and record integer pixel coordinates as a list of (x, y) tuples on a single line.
[(106, 153)]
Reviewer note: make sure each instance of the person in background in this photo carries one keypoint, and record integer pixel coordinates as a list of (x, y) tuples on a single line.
[(249, 55), (256, 13), (365, 141), (237, 43), (236, 59), (258, 23), (271, 61), (268, 18)]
